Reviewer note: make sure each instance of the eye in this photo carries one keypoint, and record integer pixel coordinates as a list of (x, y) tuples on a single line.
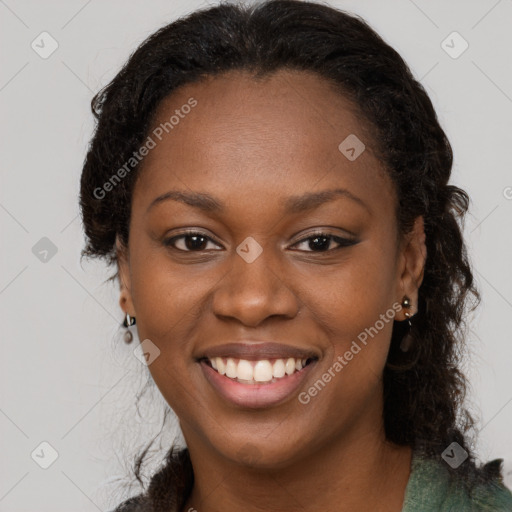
[(194, 241), (321, 242), (190, 241)]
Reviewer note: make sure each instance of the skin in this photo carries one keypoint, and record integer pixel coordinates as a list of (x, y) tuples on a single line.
[(252, 144)]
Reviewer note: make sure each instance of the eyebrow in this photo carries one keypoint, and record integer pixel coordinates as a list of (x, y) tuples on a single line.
[(293, 204)]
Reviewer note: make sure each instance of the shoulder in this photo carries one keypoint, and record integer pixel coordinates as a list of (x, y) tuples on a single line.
[(139, 503), (433, 487), (168, 487), (493, 495)]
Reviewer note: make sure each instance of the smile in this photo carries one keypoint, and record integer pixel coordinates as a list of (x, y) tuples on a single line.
[(258, 371), (280, 379)]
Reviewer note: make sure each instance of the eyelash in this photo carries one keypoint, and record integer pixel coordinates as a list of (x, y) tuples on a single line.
[(343, 242)]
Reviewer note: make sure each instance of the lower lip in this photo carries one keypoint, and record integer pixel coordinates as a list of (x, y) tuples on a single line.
[(255, 395)]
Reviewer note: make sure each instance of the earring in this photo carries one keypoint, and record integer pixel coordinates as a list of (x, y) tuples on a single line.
[(406, 342), (128, 322)]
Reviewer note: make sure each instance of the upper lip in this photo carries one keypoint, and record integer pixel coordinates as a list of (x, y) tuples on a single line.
[(258, 350)]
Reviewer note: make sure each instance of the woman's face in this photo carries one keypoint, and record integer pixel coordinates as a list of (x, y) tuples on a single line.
[(250, 160)]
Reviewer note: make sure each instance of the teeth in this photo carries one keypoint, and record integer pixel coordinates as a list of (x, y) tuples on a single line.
[(290, 366), (262, 371), (256, 371), (231, 368), (278, 369), (244, 370)]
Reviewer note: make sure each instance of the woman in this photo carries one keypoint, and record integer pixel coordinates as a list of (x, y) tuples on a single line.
[(272, 186)]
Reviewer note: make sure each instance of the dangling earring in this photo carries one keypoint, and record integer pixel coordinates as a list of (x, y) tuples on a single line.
[(128, 322), (406, 342)]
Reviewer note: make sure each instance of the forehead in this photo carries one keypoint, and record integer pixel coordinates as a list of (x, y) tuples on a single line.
[(260, 138)]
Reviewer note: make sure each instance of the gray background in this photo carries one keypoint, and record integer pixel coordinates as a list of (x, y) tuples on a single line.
[(66, 377)]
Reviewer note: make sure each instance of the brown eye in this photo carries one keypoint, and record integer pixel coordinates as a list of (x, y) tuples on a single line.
[(190, 242), (321, 242)]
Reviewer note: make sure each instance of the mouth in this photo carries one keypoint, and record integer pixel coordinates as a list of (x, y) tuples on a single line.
[(259, 371), (256, 375)]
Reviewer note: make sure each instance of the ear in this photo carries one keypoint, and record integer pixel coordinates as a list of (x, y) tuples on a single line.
[(123, 265), (413, 255)]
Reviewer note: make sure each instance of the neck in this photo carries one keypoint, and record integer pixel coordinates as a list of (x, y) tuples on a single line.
[(350, 473)]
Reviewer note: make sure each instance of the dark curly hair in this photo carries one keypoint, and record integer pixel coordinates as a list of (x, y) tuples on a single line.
[(424, 389)]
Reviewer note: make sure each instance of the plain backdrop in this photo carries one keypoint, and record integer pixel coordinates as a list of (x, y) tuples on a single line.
[(66, 377)]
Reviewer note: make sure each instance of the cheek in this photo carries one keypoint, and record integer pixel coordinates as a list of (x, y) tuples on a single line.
[(167, 297), (353, 305)]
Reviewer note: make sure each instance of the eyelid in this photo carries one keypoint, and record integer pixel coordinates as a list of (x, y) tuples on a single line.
[(327, 231)]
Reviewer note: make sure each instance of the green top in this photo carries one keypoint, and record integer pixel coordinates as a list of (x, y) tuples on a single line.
[(429, 489)]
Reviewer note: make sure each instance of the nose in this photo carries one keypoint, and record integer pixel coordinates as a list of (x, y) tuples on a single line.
[(253, 292)]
